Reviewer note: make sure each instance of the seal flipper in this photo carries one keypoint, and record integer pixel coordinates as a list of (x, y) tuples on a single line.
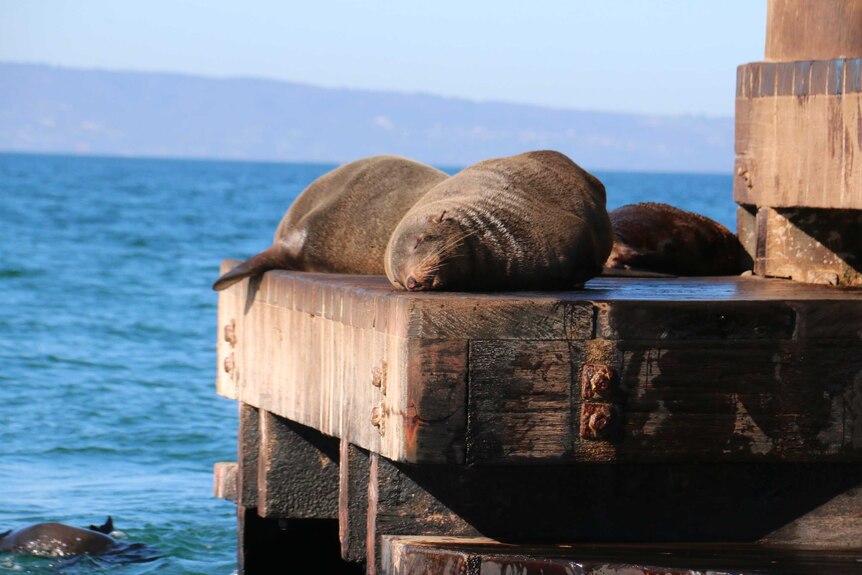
[(5, 533), (274, 257), (107, 528)]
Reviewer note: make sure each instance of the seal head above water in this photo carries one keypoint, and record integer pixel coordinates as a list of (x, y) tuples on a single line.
[(660, 238), (59, 540), (342, 221), (532, 221)]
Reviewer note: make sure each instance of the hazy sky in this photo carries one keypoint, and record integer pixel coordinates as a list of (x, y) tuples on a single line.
[(659, 56)]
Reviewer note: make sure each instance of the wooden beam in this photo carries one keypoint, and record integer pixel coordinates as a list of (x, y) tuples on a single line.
[(225, 480), (297, 471), (813, 29)]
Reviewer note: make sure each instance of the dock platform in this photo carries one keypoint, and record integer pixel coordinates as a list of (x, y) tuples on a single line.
[(403, 426)]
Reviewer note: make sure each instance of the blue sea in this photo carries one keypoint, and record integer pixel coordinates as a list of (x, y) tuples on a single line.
[(107, 340)]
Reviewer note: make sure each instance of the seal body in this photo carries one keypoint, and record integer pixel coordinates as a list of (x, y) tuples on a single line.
[(660, 238), (57, 540), (531, 221), (342, 221)]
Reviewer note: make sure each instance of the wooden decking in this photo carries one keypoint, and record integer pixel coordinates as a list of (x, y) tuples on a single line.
[(651, 410), (716, 369)]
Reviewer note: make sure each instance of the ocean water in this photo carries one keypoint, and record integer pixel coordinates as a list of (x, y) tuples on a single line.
[(107, 340)]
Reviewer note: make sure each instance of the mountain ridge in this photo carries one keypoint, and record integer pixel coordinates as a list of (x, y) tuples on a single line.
[(52, 109)]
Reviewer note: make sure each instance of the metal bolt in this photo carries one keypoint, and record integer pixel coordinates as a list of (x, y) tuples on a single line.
[(597, 381), (598, 420), (378, 377), (377, 417), (229, 363), (230, 333)]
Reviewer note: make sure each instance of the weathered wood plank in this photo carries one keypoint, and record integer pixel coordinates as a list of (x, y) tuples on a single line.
[(814, 246), (813, 29), (520, 401), (406, 397), (225, 480), (704, 320), (247, 455), (836, 524), (354, 470), (799, 148), (596, 503), (397, 504), (405, 555), (298, 471)]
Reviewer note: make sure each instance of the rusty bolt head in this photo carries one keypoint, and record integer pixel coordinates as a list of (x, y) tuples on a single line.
[(377, 415), (378, 377), (598, 381), (229, 363), (598, 420), (230, 333)]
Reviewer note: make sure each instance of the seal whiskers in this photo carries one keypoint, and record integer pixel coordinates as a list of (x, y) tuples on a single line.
[(531, 221)]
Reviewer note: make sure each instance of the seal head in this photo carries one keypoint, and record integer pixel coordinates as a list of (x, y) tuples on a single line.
[(532, 221), (58, 540), (342, 221)]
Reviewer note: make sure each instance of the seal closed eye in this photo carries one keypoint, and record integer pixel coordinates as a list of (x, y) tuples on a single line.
[(342, 221), (532, 221)]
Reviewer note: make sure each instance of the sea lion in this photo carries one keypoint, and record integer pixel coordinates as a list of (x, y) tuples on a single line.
[(532, 221), (59, 540), (661, 238), (342, 221)]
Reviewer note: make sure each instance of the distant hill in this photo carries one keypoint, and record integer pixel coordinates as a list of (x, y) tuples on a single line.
[(50, 109)]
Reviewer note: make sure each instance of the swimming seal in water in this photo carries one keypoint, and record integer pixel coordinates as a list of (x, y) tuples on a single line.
[(660, 238), (59, 540), (531, 221), (342, 221)]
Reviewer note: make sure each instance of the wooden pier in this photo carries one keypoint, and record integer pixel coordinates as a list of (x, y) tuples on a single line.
[(636, 410), (637, 426)]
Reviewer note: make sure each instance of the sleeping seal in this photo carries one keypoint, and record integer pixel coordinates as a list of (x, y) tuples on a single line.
[(342, 221), (661, 238), (531, 221), (59, 540)]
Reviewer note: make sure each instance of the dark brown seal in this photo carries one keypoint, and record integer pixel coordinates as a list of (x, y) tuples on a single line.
[(661, 238), (531, 221), (342, 221), (59, 540)]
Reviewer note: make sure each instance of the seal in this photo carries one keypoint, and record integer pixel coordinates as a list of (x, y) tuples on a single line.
[(59, 540), (532, 221), (655, 237), (342, 221)]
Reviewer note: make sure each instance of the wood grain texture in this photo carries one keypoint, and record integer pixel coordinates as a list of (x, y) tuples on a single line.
[(248, 451), (520, 401), (354, 470), (397, 504), (603, 503), (798, 144), (836, 524), (722, 369), (407, 555), (813, 29), (297, 471), (814, 246)]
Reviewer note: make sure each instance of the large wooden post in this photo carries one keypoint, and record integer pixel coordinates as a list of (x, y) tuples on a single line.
[(799, 144)]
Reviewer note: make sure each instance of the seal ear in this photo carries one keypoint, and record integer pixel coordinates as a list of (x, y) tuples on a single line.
[(107, 528)]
